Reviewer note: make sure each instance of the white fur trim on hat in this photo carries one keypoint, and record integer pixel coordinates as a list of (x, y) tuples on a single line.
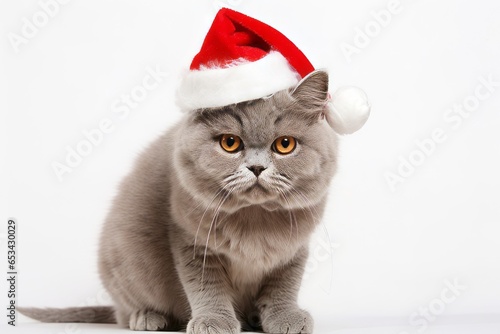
[(217, 87), (348, 110)]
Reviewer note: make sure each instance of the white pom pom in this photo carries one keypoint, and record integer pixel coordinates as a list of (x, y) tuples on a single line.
[(348, 110)]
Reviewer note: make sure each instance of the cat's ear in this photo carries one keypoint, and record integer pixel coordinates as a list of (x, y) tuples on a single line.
[(346, 111), (312, 91)]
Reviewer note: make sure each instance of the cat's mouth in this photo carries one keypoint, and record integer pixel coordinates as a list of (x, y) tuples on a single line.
[(259, 193), (257, 186)]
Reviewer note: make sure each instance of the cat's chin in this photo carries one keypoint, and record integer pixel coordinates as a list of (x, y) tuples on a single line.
[(268, 206), (271, 206), (268, 203)]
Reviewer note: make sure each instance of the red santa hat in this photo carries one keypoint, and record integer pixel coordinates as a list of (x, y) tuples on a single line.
[(243, 59)]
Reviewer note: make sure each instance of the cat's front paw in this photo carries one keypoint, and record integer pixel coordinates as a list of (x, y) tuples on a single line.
[(213, 324), (287, 321)]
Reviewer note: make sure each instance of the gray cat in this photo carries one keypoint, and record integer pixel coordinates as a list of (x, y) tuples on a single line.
[(210, 231)]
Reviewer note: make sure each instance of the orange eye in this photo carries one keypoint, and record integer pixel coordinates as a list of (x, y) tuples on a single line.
[(284, 145), (230, 143)]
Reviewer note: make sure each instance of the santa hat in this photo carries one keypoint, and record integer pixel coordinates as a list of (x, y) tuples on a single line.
[(243, 59)]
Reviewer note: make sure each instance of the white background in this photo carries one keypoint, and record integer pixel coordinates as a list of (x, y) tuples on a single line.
[(393, 247)]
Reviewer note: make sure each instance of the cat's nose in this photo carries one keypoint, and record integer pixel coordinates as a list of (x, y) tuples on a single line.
[(257, 169)]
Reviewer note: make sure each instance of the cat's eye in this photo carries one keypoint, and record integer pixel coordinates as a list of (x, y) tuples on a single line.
[(230, 143), (284, 145)]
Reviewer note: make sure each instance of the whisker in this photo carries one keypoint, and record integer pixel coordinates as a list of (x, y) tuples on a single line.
[(214, 219), (201, 220), (229, 180), (198, 205), (289, 210), (308, 205)]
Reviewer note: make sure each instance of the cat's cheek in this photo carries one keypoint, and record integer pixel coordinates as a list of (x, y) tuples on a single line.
[(216, 162), (306, 165)]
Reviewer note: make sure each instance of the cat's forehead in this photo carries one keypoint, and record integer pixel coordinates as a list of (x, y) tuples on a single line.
[(257, 121), (266, 118), (259, 117)]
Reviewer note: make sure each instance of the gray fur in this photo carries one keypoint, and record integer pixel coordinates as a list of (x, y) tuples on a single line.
[(94, 314), (192, 243)]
